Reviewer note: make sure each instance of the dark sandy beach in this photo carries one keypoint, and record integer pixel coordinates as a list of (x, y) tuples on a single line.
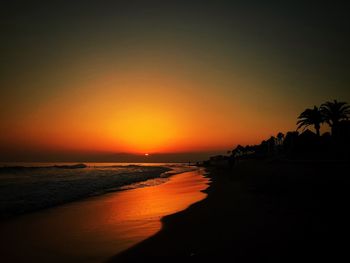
[(280, 211)]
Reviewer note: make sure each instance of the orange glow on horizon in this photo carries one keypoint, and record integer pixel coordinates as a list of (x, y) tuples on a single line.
[(145, 130), (139, 112)]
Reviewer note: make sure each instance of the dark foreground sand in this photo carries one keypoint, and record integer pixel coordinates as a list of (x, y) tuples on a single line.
[(260, 211)]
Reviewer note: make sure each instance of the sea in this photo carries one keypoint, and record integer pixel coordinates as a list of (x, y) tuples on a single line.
[(93, 211), (27, 187)]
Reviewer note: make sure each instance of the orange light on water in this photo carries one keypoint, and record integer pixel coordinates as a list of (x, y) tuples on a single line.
[(100, 227)]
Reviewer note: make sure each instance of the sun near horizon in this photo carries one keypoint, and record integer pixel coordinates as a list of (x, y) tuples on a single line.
[(149, 82)]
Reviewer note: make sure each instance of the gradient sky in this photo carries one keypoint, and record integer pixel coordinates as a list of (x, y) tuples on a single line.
[(82, 78)]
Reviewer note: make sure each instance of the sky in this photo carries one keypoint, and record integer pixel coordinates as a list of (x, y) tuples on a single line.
[(92, 80)]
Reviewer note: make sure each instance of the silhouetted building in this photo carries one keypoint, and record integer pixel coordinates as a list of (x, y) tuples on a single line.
[(290, 142), (341, 139), (271, 146)]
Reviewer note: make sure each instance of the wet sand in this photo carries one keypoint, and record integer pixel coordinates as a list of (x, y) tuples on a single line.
[(259, 212), (96, 228)]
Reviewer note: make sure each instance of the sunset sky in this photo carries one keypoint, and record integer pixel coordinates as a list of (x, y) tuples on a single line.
[(80, 78)]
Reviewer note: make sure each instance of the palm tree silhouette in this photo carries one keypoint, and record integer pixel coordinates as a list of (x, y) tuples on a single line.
[(311, 117), (334, 112)]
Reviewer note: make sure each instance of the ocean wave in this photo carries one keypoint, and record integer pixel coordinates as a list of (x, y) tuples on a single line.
[(26, 189), (6, 168)]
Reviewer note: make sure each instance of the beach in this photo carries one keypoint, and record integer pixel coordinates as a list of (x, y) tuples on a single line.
[(174, 131), (275, 211), (33, 187), (95, 228)]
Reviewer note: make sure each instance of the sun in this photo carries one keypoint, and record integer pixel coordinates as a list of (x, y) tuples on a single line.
[(146, 154)]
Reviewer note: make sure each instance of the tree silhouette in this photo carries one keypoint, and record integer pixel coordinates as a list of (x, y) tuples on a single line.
[(280, 137), (334, 112), (311, 117), (238, 151)]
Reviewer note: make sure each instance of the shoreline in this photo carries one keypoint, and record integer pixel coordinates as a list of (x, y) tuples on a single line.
[(271, 211), (61, 195), (92, 230)]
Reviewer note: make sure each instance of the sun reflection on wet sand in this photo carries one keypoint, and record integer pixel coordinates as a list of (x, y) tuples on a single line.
[(97, 228)]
